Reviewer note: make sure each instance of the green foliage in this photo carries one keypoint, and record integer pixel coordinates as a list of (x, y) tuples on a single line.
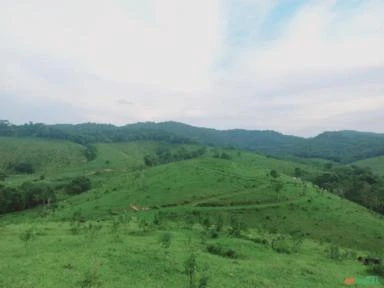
[(115, 228), (286, 244), (165, 240), (219, 250), (91, 279), (27, 237), (90, 152), (190, 268), (356, 184), (22, 167), (274, 174), (27, 195), (164, 154), (78, 185), (376, 269), (236, 226), (89, 133), (335, 253), (298, 172), (3, 176)]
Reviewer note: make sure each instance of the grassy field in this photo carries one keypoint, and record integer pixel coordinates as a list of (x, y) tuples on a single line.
[(138, 225), (46, 156)]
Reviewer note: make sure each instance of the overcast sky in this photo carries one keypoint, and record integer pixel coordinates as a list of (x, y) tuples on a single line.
[(298, 67)]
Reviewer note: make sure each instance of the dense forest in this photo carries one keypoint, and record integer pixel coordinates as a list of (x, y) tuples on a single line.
[(357, 184), (88, 133)]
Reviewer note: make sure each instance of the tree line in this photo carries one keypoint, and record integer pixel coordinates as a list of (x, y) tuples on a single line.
[(357, 184), (32, 194), (164, 154), (89, 133)]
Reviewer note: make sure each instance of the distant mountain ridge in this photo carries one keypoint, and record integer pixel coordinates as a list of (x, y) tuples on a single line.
[(341, 146)]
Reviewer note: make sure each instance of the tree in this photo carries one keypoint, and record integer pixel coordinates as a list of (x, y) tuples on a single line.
[(3, 176), (298, 172), (274, 173), (78, 185), (190, 267)]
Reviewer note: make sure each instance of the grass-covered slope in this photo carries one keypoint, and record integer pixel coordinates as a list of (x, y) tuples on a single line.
[(138, 225), (45, 156)]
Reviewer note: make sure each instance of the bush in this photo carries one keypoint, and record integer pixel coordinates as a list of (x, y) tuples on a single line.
[(27, 237), (190, 267), (217, 249), (334, 253), (281, 245), (274, 173), (3, 176), (377, 269), (23, 167), (165, 240), (78, 186)]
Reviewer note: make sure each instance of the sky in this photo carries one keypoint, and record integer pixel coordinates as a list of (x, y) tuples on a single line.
[(294, 66)]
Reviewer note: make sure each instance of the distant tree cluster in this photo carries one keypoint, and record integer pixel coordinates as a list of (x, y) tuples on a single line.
[(356, 184), (222, 155), (21, 167), (78, 186), (90, 152), (165, 155), (27, 196), (32, 194)]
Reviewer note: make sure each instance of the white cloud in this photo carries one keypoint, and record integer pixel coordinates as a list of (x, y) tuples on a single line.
[(172, 48), (126, 61)]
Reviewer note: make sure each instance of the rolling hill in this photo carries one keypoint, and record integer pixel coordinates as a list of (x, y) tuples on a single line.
[(140, 225)]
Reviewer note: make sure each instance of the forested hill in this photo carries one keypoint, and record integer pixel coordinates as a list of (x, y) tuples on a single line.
[(89, 133), (342, 146)]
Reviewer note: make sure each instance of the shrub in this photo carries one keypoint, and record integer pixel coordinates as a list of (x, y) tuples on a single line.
[(165, 240), (203, 282), (91, 279), (78, 186), (334, 253), (274, 173), (3, 176), (217, 249), (377, 269), (236, 226), (281, 245), (27, 237), (190, 267), (23, 167)]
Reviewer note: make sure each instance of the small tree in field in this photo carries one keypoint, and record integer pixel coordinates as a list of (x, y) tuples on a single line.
[(274, 173), (190, 267), (165, 241), (27, 237)]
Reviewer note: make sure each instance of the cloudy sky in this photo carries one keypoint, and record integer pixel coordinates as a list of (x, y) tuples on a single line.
[(298, 67)]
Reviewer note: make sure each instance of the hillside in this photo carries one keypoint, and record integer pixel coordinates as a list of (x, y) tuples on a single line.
[(222, 211), (45, 156)]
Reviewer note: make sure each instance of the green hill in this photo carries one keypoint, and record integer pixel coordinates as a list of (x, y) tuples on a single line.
[(220, 212)]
